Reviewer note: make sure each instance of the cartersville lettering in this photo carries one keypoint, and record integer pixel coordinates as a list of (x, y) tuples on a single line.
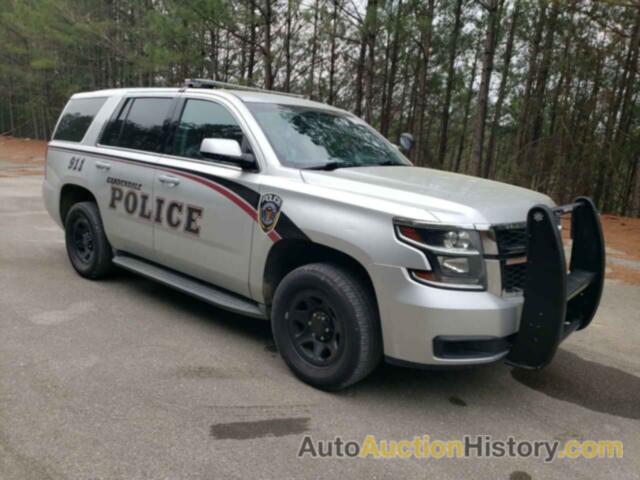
[(176, 215), (124, 183)]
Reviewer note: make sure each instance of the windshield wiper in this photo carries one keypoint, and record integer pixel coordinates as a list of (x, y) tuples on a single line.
[(334, 165), (386, 163), (331, 166)]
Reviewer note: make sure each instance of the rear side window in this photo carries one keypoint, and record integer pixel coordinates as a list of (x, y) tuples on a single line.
[(76, 118), (138, 125)]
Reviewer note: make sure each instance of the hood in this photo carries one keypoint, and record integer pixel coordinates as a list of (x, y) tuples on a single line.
[(450, 197)]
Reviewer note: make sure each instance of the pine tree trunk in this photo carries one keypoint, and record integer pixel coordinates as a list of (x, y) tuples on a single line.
[(287, 49), (252, 41), (268, 57), (332, 58), (372, 28), (483, 93), (314, 50), (359, 90), (635, 202), (489, 166), (387, 105), (422, 72), (467, 110), (523, 124), (453, 49)]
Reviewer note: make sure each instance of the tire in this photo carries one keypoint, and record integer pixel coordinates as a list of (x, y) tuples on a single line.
[(326, 327), (87, 246)]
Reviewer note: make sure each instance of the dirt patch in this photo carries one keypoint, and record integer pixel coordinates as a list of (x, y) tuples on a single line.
[(21, 156), (278, 427), (623, 235), (626, 274), (622, 239)]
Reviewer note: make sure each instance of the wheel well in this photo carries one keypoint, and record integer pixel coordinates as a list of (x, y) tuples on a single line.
[(72, 194), (287, 255)]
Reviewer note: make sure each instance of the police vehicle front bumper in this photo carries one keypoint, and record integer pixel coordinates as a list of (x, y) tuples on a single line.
[(430, 326)]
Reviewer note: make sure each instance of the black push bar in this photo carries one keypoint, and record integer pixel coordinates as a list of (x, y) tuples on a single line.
[(556, 301)]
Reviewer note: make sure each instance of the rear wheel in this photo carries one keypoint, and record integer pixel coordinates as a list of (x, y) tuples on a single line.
[(87, 246), (325, 325)]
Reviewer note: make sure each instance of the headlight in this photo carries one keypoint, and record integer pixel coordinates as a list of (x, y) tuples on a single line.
[(455, 255)]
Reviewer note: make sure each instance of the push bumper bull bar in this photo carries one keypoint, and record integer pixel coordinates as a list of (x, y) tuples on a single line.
[(558, 302)]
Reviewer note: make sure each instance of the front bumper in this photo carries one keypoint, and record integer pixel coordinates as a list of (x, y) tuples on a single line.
[(413, 316), (430, 326)]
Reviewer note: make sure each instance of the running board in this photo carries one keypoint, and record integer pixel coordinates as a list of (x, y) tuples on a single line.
[(190, 286)]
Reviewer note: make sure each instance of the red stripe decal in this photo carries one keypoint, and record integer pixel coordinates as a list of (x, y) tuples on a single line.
[(274, 236), (235, 198), (238, 200)]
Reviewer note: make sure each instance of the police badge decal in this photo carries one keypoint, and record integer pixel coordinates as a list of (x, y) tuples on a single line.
[(269, 211)]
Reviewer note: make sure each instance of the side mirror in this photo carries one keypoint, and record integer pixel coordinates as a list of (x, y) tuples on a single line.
[(227, 150), (406, 142)]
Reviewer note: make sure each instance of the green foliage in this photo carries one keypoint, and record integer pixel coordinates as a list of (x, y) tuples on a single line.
[(569, 112)]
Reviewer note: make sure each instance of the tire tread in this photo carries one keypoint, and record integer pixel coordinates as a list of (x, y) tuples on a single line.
[(103, 266), (362, 301)]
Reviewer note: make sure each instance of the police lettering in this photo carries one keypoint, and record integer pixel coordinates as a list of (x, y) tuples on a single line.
[(176, 215)]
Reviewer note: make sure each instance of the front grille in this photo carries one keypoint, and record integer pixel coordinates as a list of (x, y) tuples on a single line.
[(511, 240), (513, 276)]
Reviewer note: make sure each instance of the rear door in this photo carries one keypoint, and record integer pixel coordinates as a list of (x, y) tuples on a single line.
[(128, 153), (208, 207)]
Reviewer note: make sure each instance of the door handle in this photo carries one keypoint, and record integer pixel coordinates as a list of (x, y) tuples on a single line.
[(168, 180), (103, 166)]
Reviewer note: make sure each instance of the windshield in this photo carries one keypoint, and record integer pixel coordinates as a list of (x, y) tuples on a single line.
[(304, 137)]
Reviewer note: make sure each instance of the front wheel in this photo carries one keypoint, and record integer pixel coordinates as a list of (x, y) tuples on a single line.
[(325, 325), (87, 246)]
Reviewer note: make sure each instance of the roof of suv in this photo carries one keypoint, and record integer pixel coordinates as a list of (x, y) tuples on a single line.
[(247, 96)]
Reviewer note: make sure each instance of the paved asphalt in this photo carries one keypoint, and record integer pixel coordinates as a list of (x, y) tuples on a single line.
[(125, 379)]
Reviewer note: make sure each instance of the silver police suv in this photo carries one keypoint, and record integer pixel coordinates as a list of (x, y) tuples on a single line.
[(280, 208)]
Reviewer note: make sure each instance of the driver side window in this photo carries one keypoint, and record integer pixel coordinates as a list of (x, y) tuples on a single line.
[(203, 119)]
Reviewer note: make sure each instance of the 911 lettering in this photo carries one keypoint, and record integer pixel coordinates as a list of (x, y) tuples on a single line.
[(76, 163), (176, 215)]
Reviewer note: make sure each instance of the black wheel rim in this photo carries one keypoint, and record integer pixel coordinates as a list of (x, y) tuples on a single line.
[(82, 240), (315, 330)]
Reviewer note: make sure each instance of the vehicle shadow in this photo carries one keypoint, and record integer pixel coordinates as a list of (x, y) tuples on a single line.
[(591, 385), (568, 378), (193, 309)]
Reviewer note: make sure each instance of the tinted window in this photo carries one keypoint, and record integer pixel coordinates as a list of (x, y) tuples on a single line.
[(202, 119), (138, 125), (111, 134), (76, 118)]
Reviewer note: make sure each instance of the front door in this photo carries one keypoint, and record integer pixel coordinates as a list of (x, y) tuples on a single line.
[(209, 208)]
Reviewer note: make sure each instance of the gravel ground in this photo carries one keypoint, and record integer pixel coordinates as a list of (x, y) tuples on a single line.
[(125, 379)]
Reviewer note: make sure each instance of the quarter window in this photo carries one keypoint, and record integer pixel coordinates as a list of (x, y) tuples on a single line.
[(138, 125), (76, 118), (203, 119)]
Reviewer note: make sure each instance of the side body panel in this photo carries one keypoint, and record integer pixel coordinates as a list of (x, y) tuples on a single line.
[(412, 315), (121, 184), (124, 190), (208, 226), (213, 241)]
